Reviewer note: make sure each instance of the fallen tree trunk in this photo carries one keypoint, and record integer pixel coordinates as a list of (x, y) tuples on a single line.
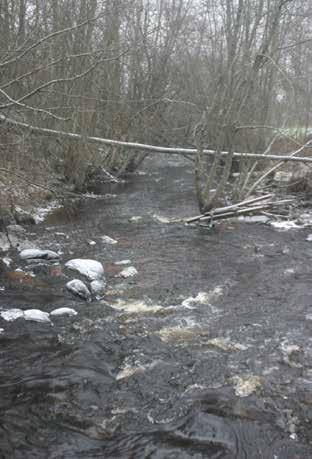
[(141, 146), (247, 207)]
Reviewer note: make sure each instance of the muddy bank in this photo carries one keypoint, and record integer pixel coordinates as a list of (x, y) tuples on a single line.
[(204, 352)]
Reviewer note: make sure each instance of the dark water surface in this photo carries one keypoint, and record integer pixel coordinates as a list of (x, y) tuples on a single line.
[(143, 374)]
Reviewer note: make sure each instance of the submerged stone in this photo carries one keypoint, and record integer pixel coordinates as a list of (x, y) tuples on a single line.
[(91, 269), (78, 288), (28, 254)]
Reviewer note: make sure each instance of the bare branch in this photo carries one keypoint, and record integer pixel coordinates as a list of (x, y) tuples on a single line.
[(46, 38)]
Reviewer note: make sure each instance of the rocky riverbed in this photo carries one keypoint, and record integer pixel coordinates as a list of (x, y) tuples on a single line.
[(196, 345)]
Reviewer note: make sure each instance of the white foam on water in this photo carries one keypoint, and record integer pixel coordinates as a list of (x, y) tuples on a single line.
[(204, 298), (246, 385), (136, 307), (225, 344), (285, 225), (42, 212)]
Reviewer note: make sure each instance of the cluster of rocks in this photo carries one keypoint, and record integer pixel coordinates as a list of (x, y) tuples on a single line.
[(35, 315), (92, 270)]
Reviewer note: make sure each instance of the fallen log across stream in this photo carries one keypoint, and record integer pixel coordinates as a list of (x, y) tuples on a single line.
[(151, 148), (247, 207)]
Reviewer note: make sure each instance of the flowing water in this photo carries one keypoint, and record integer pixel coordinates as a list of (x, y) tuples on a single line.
[(205, 353)]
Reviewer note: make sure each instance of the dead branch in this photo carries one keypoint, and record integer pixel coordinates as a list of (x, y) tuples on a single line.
[(246, 207)]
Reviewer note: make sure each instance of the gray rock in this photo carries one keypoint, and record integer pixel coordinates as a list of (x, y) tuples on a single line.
[(98, 287), (12, 314), (35, 315), (91, 269), (78, 288), (28, 254)]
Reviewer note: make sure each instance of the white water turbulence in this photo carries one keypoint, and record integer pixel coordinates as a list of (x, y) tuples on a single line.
[(136, 307)]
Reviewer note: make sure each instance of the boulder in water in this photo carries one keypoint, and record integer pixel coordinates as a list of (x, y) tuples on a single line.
[(98, 287), (11, 314), (91, 269), (78, 288), (28, 254), (36, 315), (63, 312)]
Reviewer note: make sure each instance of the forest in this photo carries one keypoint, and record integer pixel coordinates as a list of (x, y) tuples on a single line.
[(224, 75)]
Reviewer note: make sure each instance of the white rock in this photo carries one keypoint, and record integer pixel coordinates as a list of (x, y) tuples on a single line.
[(129, 272), (108, 240), (11, 314), (90, 268), (309, 238), (77, 287), (63, 312), (122, 262), (1, 330), (98, 287), (36, 315), (37, 253), (91, 242)]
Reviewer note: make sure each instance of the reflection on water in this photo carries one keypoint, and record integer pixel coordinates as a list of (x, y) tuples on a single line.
[(184, 360)]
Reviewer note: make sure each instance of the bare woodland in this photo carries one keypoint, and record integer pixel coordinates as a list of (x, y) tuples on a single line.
[(223, 76)]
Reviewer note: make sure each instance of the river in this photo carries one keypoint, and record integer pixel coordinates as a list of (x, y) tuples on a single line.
[(205, 353)]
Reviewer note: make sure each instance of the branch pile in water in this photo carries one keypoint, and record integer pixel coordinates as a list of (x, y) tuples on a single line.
[(247, 207)]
